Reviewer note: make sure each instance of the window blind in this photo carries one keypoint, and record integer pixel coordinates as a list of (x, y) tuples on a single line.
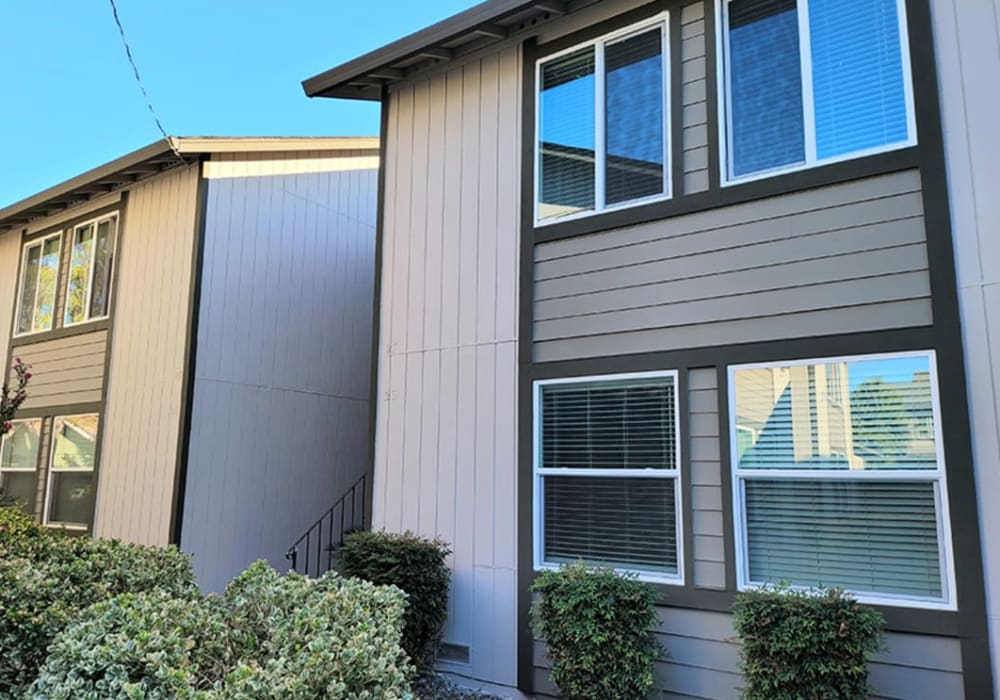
[(765, 82), (626, 523), (858, 83), (621, 511), (870, 536)]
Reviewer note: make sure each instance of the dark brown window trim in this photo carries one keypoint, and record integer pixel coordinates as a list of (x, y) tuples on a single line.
[(56, 333), (73, 222)]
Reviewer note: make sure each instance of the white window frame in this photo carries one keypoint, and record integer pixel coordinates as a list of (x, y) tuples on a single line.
[(724, 95), (110, 216), (538, 473), (78, 527), (600, 126), (39, 241), (936, 476)]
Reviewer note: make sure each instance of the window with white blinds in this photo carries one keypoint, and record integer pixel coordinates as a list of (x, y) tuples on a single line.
[(607, 474), (602, 136), (839, 478), (813, 81)]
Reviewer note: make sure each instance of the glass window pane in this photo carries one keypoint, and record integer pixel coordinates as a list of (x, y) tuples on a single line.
[(19, 447), (74, 442), (864, 536), (103, 259), (20, 487), (765, 80), (71, 498), (567, 135), (29, 288), (618, 522), (48, 278), (635, 118), (609, 425), (858, 82), (850, 415), (79, 274)]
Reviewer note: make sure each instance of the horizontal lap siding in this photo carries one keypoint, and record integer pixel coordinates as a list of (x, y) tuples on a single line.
[(703, 655), (706, 479), (694, 102), (142, 420), (65, 371), (281, 394), (843, 258), (445, 449)]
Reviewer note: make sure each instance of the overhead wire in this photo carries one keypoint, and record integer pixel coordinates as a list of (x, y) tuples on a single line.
[(138, 79)]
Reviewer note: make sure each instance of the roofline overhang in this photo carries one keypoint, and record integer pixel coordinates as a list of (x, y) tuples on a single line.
[(154, 159), (365, 77)]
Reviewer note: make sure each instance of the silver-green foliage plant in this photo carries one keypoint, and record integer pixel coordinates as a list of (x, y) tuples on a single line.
[(270, 637), (46, 581), (596, 626), (304, 639)]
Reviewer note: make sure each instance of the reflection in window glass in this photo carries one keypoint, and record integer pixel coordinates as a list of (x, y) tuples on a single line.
[(635, 126), (838, 478), (79, 274), (89, 285), (103, 258), (71, 473), (567, 136), (19, 462), (39, 278), (797, 419)]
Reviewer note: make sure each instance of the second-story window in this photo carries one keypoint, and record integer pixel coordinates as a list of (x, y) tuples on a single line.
[(39, 279), (602, 140), (813, 81), (89, 286)]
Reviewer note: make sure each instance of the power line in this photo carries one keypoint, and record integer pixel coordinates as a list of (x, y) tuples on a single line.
[(142, 88)]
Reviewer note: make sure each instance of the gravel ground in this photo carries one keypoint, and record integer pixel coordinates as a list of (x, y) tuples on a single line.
[(437, 688)]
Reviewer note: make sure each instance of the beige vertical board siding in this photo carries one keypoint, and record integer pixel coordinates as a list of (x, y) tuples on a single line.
[(694, 90), (837, 259), (142, 419), (445, 449), (65, 371), (706, 479), (967, 45), (10, 258), (281, 393)]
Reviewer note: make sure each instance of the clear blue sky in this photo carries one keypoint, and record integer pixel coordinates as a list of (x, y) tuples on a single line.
[(69, 102)]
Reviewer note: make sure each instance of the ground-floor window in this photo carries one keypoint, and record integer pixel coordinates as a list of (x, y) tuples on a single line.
[(72, 460), (839, 477), (607, 473), (19, 462)]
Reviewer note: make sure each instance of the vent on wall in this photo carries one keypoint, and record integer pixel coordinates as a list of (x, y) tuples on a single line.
[(453, 653)]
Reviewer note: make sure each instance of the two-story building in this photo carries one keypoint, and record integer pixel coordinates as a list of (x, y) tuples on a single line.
[(197, 319), (671, 286)]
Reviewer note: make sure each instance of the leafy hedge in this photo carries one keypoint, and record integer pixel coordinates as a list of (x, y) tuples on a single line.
[(419, 568), (271, 637), (596, 625), (46, 580), (799, 644)]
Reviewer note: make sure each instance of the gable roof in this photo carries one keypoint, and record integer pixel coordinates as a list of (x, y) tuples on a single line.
[(487, 23), (154, 159)]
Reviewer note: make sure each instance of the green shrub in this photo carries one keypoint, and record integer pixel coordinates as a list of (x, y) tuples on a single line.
[(418, 567), (17, 529), (152, 646), (302, 638), (596, 625), (799, 644), (46, 581)]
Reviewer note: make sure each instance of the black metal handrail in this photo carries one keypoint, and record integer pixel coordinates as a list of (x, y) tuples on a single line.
[(327, 534)]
